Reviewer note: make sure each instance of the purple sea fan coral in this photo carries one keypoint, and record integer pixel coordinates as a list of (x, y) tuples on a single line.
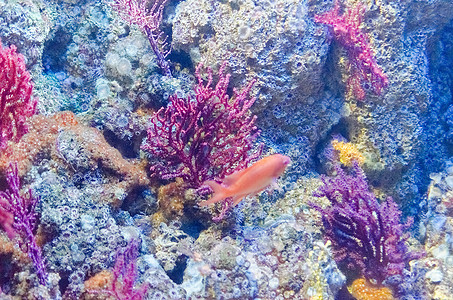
[(121, 286), (366, 235), (205, 137), (16, 101), (23, 210), (147, 15), (346, 30)]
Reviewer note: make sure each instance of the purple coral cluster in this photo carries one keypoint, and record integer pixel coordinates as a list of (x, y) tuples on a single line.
[(22, 208), (346, 30), (16, 101), (122, 286), (147, 15), (205, 137), (366, 235)]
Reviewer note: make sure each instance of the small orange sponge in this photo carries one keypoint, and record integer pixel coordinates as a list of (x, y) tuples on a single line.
[(100, 281), (362, 289), (347, 153)]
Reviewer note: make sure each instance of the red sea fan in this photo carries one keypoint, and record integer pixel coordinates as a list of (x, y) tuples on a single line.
[(16, 101), (206, 137)]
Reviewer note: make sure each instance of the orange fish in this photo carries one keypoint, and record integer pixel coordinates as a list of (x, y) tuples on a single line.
[(249, 181)]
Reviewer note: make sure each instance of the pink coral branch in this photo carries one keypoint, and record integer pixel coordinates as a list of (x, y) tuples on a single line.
[(16, 101), (346, 30), (147, 15), (206, 137)]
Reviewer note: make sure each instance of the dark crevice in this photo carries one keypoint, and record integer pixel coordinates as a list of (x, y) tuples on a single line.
[(140, 201), (191, 223), (341, 128), (182, 58), (126, 149), (193, 228), (177, 274), (54, 57), (64, 282), (7, 270)]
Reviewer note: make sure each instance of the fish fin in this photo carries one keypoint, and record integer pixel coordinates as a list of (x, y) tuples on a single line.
[(230, 179), (274, 186), (219, 193), (255, 194), (237, 199)]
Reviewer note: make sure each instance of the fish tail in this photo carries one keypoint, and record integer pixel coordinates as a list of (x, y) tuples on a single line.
[(219, 193)]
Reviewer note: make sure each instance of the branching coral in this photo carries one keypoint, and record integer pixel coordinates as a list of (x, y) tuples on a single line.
[(147, 15), (16, 101), (204, 138), (366, 235), (23, 210), (346, 30), (119, 284)]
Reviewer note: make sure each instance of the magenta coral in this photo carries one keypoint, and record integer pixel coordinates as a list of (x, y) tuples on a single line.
[(147, 15), (6, 218), (23, 210), (346, 30), (206, 137), (122, 286), (366, 235), (16, 101)]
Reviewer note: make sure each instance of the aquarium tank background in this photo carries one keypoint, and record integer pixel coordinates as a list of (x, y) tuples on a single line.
[(226, 149)]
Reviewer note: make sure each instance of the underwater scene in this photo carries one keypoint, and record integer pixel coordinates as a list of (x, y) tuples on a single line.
[(226, 149)]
